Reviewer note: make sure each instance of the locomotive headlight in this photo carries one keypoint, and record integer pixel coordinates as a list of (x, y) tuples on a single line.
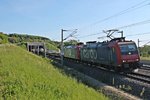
[(123, 61), (137, 59)]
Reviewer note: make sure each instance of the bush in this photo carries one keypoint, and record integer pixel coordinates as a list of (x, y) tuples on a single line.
[(3, 38)]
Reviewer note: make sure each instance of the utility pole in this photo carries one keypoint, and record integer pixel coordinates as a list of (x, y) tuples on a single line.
[(62, 43), (139, 46), (139, 43), (62, 48)]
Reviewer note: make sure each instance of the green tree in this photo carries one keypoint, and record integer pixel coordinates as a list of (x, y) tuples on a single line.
[(145, 51), (70, 42)]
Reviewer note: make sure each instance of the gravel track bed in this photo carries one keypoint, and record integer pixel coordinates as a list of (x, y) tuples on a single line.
[(131, 86), (145, 67), (144, 72), (147, 62)]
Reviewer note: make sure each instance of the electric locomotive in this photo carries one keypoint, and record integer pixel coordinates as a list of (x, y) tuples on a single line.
[(126, 52), (117, 54)]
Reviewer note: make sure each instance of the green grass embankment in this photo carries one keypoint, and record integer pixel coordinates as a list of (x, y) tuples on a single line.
[(145, 58), (25, 76)]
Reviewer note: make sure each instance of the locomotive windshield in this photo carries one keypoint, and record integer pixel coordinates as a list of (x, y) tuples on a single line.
[(128, 49)]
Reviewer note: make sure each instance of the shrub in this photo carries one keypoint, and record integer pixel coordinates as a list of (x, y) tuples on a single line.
[(3, 38)]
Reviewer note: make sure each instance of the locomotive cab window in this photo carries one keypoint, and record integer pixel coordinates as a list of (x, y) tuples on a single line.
[(128, 49)]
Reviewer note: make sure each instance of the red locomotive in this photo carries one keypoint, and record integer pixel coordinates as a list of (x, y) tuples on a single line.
[(118, 54)]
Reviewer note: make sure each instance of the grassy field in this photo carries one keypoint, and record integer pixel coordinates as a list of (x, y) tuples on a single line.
[(145, 58), (25, 76)]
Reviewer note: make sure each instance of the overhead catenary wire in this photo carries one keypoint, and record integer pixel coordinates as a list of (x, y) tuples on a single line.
[(134, 7), (90, 35), (126, 26), (146, 43), (138, 34), (134, 24), (72, 34)]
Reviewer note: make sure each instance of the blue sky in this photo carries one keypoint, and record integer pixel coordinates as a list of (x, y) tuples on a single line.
[(48, 17)]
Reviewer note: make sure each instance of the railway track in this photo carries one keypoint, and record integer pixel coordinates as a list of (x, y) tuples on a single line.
[(139, 77), (136, 76), (146, 67)]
